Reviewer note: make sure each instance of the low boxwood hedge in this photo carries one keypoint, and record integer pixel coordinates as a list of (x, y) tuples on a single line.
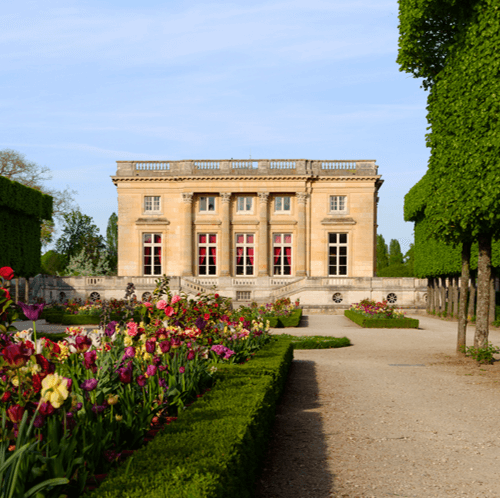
[(376, 323), (69, 319), (280, 321), (216, 447)]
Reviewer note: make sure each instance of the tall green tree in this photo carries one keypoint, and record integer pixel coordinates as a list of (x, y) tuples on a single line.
[(79, 233), (460, 66), (112, 242), (382, 253), (395, 254), (15, 166)]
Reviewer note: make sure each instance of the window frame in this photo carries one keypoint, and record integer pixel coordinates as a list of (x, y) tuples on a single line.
[(152, 210), (283, 245), (206, 210), (331, 201), (339, 247), (247, 262), (208, 254), (283, 210), (246, 210), (152, 245)]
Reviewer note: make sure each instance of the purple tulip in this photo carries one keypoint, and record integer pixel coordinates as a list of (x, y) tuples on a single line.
[(89, 384), (151, 370), (150, 347), (200, 323), (129, 352), (110, 328), (32, 311), (141, 380)]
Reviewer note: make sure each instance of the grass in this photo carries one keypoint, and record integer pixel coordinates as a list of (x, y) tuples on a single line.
[(316, 342)]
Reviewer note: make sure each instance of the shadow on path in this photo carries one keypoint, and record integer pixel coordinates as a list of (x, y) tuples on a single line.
[(296, 461)]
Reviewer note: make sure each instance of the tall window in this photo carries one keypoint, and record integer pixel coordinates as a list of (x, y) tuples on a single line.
[(207, 204), (245, 204), (282, 253), (282, 204), (338, 203), (337, 254), (207, 254), (245, 251), (152, 253), (152, 203)]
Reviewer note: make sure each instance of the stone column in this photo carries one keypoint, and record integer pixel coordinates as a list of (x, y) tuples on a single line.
[(301, 236), (187, 235), (225, 239), (263, 235)]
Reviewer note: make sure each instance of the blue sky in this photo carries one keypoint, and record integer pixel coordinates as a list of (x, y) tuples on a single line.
[(86, 83)]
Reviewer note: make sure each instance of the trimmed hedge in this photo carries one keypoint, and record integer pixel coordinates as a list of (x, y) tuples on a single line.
[(376, 323), (317, 342), (68, 319), (22, 210), (291, 321), (216, 447)]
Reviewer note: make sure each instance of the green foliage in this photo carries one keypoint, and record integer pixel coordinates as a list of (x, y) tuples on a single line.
[(82, 265), (285, 321), (79, 233), (395, 271), (395, 254), (112, 243), (53, 263), (316, 342), (428, 30), (216, 447), (375, 323), (22, 210), (483, 355), (382, 254)]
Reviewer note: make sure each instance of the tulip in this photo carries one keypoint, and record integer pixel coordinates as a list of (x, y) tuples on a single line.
[(89, 384), (32, 312), (15, 413), (7, 273)]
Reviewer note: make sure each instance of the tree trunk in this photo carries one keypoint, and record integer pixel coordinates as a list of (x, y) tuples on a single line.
[(472, 297), (483, 291), (492, 298), (456, 297), (428, 303), (464, 292)]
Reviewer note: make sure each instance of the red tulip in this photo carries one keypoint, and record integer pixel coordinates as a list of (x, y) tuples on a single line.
[(15, 413), (7, 273)]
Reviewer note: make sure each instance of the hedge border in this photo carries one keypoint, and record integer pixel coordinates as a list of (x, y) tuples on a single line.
[(291, 321), (216, 447), (370, 323)]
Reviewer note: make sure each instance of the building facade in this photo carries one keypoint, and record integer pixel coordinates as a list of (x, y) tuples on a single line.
[(249, 227)]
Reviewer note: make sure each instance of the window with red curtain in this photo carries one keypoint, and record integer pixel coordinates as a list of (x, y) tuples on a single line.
[(245, 254), (207, 254), (282, 252)]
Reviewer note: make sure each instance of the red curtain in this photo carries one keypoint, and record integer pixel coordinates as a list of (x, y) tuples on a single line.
[(250, 255), (288, 254), (147, 251), (203, 239), (203, 252), (239, 255), (277, 252), (213, 251)]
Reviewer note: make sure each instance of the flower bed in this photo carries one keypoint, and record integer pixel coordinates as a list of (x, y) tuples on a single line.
[(370, 314), (216, 446), (282, 313), (91, 399)]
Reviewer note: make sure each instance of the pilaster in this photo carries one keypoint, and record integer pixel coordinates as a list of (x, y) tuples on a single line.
[(225, 242), (300, 270), (187, 235), (263, 235)]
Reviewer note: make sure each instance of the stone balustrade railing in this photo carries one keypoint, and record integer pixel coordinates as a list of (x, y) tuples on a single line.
[(364, 167)]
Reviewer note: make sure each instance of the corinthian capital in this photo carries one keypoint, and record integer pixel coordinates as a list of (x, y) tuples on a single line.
[(302, 197), (263, 196), (187, 197), (225, 197)]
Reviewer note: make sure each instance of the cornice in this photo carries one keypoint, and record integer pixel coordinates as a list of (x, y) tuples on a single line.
[(152, 221), (282, 222), (207, 222), (338, 221)]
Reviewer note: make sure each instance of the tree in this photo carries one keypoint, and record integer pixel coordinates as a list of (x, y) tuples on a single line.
[(82, 265), (15, 166), (80, 234), (382, 254), (462, 186), (395, 254), (112, 242), (53, 263)]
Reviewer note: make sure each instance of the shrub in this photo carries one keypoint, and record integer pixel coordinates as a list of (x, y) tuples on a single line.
[(390, 323)]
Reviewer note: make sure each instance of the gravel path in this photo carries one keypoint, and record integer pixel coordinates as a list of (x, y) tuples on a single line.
[(396, 414)]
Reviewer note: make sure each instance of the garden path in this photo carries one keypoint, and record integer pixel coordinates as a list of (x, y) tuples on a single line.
[(396, 414)]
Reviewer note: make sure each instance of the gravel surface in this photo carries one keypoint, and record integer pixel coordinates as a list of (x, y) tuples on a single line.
[(396, 414)]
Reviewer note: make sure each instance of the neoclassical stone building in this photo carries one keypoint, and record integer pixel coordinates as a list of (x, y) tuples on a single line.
[(256, 229)]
